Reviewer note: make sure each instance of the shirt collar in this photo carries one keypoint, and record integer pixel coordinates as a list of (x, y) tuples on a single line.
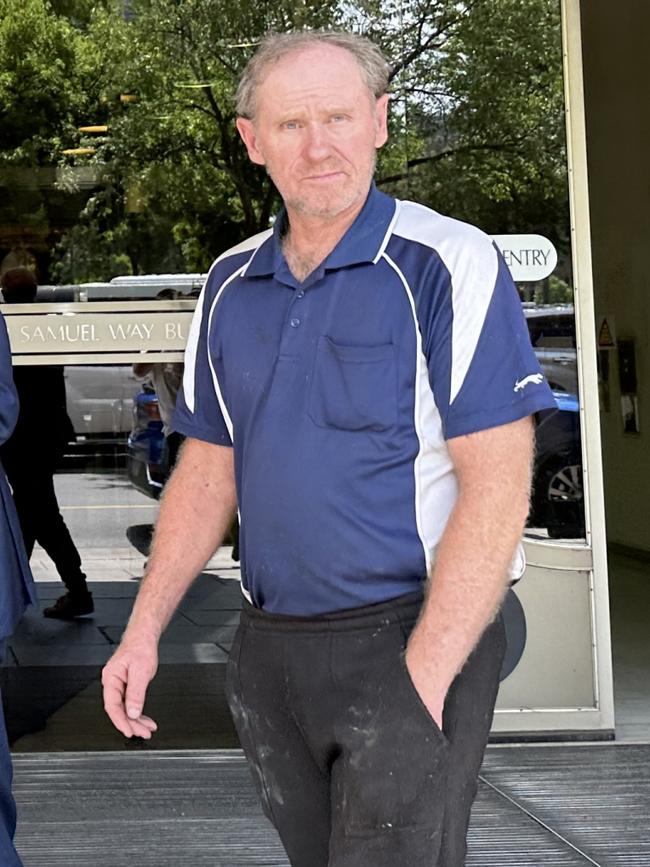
[(363, 242)]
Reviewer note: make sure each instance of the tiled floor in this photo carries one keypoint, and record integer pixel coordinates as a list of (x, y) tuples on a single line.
[(51, 679)]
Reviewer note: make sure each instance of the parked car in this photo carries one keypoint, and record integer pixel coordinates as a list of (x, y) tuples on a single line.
[(141, 287), (552, 332), (148, 460), (100, 396), (558, 497), (147, 465), (100, 399), (557, 500)]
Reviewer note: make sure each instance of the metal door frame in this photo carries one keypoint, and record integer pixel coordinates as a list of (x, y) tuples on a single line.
[(588, 560)]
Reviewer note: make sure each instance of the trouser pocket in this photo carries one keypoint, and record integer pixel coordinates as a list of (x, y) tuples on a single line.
[(419, 705), (392, 773)]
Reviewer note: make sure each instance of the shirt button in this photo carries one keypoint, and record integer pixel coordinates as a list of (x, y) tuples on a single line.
[(295, 322), (301, 294)]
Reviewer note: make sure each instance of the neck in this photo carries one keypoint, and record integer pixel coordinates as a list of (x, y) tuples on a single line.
[(309, 239), (306, 232)]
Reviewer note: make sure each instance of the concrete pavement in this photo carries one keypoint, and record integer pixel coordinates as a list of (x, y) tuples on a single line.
[(51, 678)]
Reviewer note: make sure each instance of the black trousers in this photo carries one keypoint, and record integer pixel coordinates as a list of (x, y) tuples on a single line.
[(32, 483), (350, 767)]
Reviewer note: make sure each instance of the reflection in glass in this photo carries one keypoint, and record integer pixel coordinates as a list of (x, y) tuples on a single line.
[(51, 675), (557, 504), (118, 180)]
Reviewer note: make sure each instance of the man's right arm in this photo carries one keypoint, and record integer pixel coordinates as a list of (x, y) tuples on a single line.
[(197, 508)]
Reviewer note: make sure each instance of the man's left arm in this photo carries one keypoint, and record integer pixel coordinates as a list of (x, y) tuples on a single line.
[(470, 574)]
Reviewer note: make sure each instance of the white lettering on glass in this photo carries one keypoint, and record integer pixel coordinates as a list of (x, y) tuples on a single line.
[(81, 332), (127, 331), (173, 331)]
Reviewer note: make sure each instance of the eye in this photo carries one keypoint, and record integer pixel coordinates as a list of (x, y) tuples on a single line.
[(291, 124), (338, 118)]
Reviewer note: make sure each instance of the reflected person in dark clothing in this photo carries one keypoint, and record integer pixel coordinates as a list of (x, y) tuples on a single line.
[(31, 456)]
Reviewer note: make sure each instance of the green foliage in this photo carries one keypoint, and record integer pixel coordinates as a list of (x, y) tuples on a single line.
[(479, 95), (553, 290), (50, 82), (476, 122), (182, 62), (49, 78)]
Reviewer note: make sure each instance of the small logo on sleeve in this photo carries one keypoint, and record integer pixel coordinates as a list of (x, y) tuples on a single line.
[(534, 378)]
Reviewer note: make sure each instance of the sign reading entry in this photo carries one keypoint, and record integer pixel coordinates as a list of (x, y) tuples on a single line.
[(529, 257)]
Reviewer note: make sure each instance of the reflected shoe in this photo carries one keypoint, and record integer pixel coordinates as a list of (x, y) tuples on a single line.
[(69, 606)]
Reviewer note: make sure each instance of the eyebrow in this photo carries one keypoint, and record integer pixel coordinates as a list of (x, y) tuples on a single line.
[(300, 113)]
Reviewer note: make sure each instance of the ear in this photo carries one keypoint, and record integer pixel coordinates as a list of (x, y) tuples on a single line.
[(246, 130), (381, 120)]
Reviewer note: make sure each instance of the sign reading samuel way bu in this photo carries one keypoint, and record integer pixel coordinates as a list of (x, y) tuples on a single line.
[(73, 334), (529, 257)]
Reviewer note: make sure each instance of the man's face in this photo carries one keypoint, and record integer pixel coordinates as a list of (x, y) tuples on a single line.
[(316, 129)]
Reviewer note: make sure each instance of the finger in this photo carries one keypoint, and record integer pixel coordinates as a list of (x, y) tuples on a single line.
[(143, 727), (114, 706), (136, 690), (119, 720), (140, 730), (143, 722), (114, 679)]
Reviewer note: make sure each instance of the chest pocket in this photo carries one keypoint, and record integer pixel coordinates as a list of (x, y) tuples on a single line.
[(354, 387)]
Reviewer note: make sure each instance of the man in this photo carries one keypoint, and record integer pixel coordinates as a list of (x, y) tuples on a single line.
[(353, 381), (16, 592), (31, 456)]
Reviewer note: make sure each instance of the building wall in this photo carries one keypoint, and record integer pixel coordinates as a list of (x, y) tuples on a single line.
[(616, 52)]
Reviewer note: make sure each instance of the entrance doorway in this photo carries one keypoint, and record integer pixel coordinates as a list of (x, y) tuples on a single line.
[(118, 205)]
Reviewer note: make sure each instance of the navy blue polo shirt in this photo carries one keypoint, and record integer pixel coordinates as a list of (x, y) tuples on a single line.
[(339, 394)]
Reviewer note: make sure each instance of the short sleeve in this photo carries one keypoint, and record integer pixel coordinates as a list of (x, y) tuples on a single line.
[(198, 412), (482, 367)]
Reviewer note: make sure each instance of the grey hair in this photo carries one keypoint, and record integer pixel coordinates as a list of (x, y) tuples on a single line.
[(372, 63)]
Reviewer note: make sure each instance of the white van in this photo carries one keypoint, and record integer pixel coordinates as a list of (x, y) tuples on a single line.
[(100, 397), (145, 286)]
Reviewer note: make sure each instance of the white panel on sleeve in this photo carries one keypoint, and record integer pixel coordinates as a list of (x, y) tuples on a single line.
[(189, 382), (472, 262), (215, 378)]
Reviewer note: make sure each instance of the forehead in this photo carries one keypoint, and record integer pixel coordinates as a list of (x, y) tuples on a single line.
[(323, 71)]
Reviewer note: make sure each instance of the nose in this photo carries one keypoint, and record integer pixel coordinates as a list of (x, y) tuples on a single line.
[(316, 143)]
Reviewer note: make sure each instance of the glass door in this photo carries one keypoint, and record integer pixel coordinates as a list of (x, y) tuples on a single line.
[(122, 178)]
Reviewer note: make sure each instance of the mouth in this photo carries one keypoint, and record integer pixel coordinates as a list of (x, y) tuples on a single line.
[(324, 177)]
